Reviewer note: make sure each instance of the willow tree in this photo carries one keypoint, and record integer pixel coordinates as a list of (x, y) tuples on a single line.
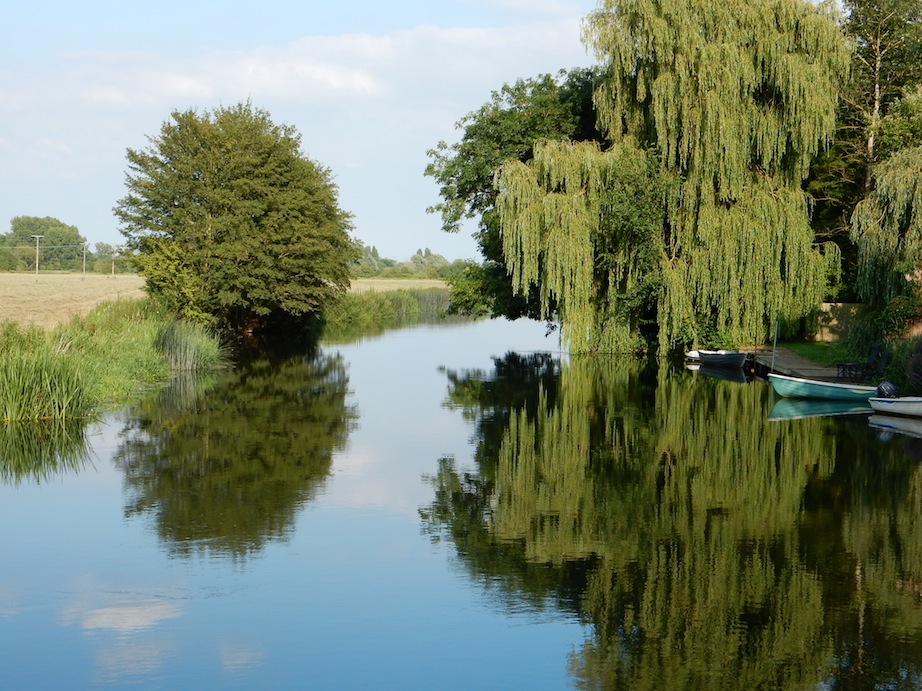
[(736, 97)]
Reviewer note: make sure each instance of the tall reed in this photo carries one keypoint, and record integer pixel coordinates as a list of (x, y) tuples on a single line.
[(188, 347), (46, 383), (104, 358)]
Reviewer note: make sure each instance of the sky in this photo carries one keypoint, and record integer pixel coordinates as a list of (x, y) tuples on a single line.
[(371, 86)]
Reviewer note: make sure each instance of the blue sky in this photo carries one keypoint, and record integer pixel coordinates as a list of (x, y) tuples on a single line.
[(370, 85)]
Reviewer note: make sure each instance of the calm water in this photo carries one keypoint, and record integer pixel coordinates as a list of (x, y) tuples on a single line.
[(459, 507)]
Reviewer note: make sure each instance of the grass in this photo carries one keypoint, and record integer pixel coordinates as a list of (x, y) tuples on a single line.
[(73, 344), (822, 353), (53, 299)]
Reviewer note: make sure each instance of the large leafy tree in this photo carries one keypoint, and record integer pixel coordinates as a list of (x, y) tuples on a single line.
[(231, 224), (736, 98), (885, 37), (60, 247), (506, 127), (887, 224)]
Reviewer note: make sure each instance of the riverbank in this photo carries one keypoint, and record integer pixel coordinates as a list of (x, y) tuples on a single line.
[(53, 299)]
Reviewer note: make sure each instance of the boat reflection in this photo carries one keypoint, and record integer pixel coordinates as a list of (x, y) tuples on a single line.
[(887, 425), (799, 408)]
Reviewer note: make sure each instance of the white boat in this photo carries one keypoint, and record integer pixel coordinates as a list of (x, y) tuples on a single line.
[(901, 405), (718, 358), (798, 387)]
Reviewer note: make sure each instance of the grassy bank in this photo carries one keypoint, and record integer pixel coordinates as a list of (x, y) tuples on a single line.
[(369, 313), (98, 360)]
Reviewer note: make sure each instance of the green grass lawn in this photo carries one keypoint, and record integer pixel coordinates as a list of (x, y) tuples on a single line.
[(825, 354)]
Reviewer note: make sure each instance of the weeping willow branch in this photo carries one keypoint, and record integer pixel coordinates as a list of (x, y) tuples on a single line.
[(584, 225), (735, 97), (887, 227)]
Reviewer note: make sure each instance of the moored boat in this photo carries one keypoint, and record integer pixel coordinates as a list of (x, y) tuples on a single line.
[(901, 405), (799, 387), (718, 358)]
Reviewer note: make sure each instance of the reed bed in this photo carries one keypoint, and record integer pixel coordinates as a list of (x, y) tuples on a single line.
[(42, 385), (102, 359)]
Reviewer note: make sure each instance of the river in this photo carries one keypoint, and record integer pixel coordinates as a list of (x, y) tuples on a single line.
[(462, 507)]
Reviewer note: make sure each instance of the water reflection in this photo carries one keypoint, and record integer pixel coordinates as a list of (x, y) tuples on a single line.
[(37, 452), (707, 546), (224, 466)]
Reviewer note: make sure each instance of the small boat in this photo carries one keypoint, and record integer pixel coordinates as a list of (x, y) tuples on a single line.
[(798, 387), (886, 425), (901, 405), (718, 358), (799, 408)]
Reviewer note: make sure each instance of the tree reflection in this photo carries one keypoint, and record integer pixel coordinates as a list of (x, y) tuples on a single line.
[(707, 546), (39, 451), (225, 467)]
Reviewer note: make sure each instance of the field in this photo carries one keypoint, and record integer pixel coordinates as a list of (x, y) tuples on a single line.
[(54, 298)]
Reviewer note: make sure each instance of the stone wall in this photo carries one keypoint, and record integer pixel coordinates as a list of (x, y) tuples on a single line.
[(833, 320)]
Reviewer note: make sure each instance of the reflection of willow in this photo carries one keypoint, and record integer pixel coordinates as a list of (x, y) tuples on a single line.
[(227, 468), (684, 506), (39, 451), (877, 621), (702, 584)]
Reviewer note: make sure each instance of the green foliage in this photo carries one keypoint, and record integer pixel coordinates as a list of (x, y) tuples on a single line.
[(60, 247), (905, 368), (584, 226), (230, 224), (370, 313), (887, 227), (105, 358), (901, 128), (505, 128), (886, 41), (358, 315), (423, 264), (733, 99), (43, 384), (189, 347)]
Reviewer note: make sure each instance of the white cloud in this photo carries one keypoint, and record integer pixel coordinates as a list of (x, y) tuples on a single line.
[(368, 107), (123, 617)]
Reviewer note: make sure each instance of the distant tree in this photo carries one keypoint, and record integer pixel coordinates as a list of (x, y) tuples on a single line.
[(60, 247), (231, 224)]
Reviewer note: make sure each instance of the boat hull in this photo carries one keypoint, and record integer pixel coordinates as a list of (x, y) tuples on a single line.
[(719, 358), (798, 387), (901, 405)]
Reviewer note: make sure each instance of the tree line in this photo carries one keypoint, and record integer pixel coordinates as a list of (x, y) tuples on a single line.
[(60, 246), (725, 167)]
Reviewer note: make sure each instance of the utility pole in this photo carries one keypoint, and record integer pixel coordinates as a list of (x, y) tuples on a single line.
[(37, 238), (84, 262)]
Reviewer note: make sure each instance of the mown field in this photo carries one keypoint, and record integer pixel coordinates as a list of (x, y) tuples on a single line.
[(54, 298)]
